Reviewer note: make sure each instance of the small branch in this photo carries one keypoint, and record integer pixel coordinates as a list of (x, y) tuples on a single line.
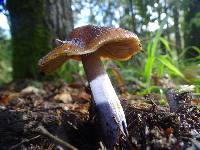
[(24, 141), (41, 130), (60, 41), (47, 109)]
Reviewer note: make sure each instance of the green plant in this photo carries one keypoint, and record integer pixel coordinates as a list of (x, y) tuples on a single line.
[(68, 69), (151, 53)]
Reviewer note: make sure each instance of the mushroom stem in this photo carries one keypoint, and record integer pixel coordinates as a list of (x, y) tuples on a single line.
[(107, 103)]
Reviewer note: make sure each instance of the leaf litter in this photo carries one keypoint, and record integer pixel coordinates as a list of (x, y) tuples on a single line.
[(66, 112)]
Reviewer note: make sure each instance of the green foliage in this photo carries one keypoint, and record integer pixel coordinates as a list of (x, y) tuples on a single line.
[(183, 70), (163, 102), (69, 70), (171, 63), (160, 57), (151, 53), (170, 66)]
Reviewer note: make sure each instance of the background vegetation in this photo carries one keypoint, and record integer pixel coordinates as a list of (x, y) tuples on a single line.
[(169, 31)]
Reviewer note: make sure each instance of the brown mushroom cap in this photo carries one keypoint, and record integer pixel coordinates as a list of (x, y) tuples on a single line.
[(108, 42)]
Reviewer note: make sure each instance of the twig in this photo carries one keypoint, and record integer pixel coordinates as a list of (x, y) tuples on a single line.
[(24, 141), (44, 132), (60, 41), (47, 109)]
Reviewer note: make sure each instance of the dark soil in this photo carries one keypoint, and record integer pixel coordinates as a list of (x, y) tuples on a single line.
[(65, 111)]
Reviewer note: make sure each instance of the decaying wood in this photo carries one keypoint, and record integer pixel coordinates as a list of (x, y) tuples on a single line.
[(178, 98)]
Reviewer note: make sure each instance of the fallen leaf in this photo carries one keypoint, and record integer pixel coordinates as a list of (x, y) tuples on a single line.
[(85, 96), (64, 97), (4, 100), (169, 131), (31, 89)]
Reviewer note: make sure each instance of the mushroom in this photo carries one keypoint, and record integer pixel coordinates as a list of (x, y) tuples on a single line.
[(91, 43)]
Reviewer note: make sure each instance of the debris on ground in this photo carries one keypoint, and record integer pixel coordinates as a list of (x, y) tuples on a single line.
[(62, 116)]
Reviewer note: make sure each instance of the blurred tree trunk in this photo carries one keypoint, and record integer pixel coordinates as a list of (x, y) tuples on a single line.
[(167, 23), (159, 10), (176, 25), (59, 18), (127, 20), (192, 26), (34, 26), (133, 25)]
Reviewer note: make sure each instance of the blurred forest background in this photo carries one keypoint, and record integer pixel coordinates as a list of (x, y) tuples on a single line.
[(169, 31)]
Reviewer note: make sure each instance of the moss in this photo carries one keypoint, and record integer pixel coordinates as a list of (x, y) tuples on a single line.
[(31, 37)]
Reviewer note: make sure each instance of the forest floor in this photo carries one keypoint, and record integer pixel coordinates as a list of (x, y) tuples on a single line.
[(37, 116)]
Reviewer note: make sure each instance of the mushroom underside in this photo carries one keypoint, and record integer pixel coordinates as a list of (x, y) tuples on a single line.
[(119, 50)]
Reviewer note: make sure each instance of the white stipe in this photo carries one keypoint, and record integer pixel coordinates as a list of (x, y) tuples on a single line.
[(107, 104)]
